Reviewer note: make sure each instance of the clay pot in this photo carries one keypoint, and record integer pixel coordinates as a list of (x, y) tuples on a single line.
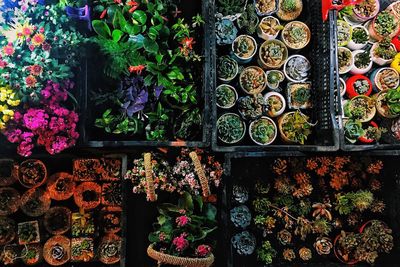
[(61, 186), (337, 253), (32, 173), (88, 195), (35, 202), (9, 201), (110, 249), (57, 220), (57, 250)]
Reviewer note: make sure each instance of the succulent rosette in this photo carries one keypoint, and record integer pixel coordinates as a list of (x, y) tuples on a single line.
[(241, 216), (244, 243)]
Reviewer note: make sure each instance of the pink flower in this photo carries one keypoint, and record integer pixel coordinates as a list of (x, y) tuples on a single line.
[(35, 119), (182, 211), (3, 64), (180, 242), (203, 250), (9, 50), (182, 220), (46, 47)]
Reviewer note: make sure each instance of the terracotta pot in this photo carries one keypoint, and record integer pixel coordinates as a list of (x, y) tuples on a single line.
[(351, 91), (362, 228), (10, 201), (38, 257), (337, 255), (35, 202), (88, 195), (57, 250), (111, 219), (281, 120), (61, 186), (32, 173), (375, 35), (109, 250), (112, 169), (57, 220), (288, 16), (364, 139), (82, 255)]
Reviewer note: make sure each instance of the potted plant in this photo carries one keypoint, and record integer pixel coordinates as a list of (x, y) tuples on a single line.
[(32, 173), (82, 224), (289, 9), (248, 20), (269, 28), (382, 106), (392, 99), (383, 52), (57, 220), (186, 240), (225, 31), (345, 245), (296, 35), (365, 10), (274, 78), (299, 95), (266, 7), (9, 201), (82, 249), (230, 128), (272, 54), (359, 37), (275, 104), (226, 96), (61, 186), (28, 233), (57, 250), (88, 195), (253, 80), (294, 127), (109, 250), (371, 134), (111, 219), (358, 85), (385, 78), (112, 169), (384, 25), (32, 254), (111, 194), (360, 108), (244, 243), (394, 8), (35, 202), (342, 86), (263, 131), (8, 172), (251, 107), (244, 48), (7, 230), (297, 68), (362, 62), (227, 68), (345, 60), (240, 216), (85, 170), (9, 255), (344, 33), (353, 130)]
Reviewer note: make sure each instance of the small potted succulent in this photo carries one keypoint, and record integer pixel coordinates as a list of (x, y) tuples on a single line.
[(345, 245), (360, 108), (296, 35), (87, 195), (383, 52), (57, 220), (274, 78), (381, 103), (244, 48), (289, 9), (57, 250), (384, 25), (358, 85), (61, 186), (371, 134), (226, 96), (385, 78), (275, 104), (32, 173), (263, 131), (269, 28), (9, 201), (362, 62), (342, 87), (111, 219), (344, 32), (85, 170), (240, 216), (109, 250), (299, 95), (32, 254), (82, 224), (35, 202), (394, 8), (392, 100), (365, 10), (7, 230), (231, 129), (266, 7), (353, 130), (297, 68), (8, 172), (82, 249), (28, 233), (253, 80), (272, 54), (251, 107), (345, 60), (225, 31), (227, 68), (244, 243), (111, 194), (359, 38), (294, 127)]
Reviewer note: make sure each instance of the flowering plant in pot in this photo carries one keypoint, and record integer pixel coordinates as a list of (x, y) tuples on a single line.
[(226, 96), (344, 32), (275, 104), (299, 95), (266, 7), (362, 62), (358, 85), (182, 234), (294, 127), (269, 28), (263, 131), (385, 78), (274, 78), (360, 108), (345, 60), (32, 254), (383, 52), (384, 25), (231, 129), (289, 9), (251, 107), (227, 68), (9, 100), (297, 68), (359, 38), (253, 80), (296, 35), (272, 54), (244, 48)]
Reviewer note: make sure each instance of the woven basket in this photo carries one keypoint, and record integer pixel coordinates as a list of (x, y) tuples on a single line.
[(179, 261)]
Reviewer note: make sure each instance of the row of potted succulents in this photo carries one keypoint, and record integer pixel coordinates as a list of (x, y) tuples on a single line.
[(310, 209), (257, 61), (367, 60), (92, 234)]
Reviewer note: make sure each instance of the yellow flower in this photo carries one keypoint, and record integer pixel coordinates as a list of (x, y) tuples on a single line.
[(8, 112), (2, 125), (2, 107), (396, 63), (6, 118)]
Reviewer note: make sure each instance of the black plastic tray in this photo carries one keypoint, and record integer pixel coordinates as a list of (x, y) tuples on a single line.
[(325, 135), (90, 134)]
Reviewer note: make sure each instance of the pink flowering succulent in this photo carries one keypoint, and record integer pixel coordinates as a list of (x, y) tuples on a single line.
[(203, 251), (182, 221), (180, 242)]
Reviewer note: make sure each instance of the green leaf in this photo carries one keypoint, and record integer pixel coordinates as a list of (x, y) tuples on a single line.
[(186, 202), (119, 22), (132, 29), (140, 16), (161, 220), (199, 201), (154, 237), (153, 33), (211, 212), (150, 46), (101, 28), (116, 35)]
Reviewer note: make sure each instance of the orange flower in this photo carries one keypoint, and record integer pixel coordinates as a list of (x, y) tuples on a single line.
[(188, 42), (35, 70), (8, 50), (30, 81), (134, 5), (137, 69), (38, 39)]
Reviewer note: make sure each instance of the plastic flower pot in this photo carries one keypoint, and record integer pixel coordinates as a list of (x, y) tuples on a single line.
[(9, 201), (356, 69), (342, 87), (297, 68), (35, 202), (272, 54), (246, 56), (7, 230), (109, 250), (351, 83), (396, 42), (266, 8), (87, 195), (358, 15), (255, 126), (345, 59), (111, 219), (269, 28), (385, 78), (364, 139), (276, 104), (32, 254), (61, 186), (344, 32), (338, 253), (381, 106), (374, 24), (57, 250), (226, 96), (57, 220), (378, 60), (253, 80), (8, 172), (290, 41), (299, 95), (32, 173)]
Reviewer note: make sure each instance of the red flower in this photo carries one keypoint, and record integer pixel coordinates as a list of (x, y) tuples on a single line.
[(9, 50), (103, 14), (35, 70), (26, 31), (203, 250), (38, 39), (134, 5), (137, 69), (180, 242), (30, 81), (162, 236), (182, 220), (188, 42)]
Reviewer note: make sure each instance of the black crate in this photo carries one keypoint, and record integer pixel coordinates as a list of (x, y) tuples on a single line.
[(97, 138), (245, 167), (325, 135)]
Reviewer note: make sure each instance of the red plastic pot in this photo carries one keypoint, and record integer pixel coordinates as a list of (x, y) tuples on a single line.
[(351, 262), (369, 222), (396, 42), (350, 90), (364, 139)]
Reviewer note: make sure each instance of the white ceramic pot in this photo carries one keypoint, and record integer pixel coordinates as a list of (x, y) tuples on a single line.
[(343, 82), (280, 112), (356, 46), (375, 79), (285, 66), (378, 60), (263, 35), (275, 135), (236, 96), (355, 69), (346, 70)]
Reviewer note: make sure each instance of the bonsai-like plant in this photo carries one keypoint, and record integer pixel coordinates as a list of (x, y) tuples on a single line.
[(344, 32), (225, 31), (231, 128), (296, 35), (273, 54), (299, 95), (295, 127), (253, 80), (263, 131), (251, 107), (226, 96), (28, 233), (227, 68), (244, 46)]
